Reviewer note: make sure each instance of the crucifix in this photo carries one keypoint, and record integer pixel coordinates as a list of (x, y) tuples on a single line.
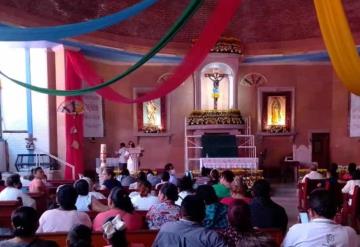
[(216, 77)]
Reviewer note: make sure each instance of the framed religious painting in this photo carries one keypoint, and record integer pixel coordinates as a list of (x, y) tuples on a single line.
[(151, 116), (276, 110), (354, 115)]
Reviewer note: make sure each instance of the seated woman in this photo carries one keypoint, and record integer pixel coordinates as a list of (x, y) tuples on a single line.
[(37, 184), (332, 174), (13, 191), (140, 177), (216, 213), (214, 177), (185, 189), (25, 222), (165, 177), (240, 231), (114, 232), (64, 218), (351, 169), (166, 210), (126, 179), (144, 200), (237, 190), (85, 201), (94, 193), (109, 179), (120, 204), (350, 185), (79, 236)]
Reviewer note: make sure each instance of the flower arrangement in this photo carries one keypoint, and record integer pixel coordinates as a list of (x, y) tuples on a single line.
[(210, 117)]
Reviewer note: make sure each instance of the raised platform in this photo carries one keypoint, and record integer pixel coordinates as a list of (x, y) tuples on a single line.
[(216, 127)]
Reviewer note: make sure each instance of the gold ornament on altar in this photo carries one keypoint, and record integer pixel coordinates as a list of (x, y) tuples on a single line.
[(212, 117)]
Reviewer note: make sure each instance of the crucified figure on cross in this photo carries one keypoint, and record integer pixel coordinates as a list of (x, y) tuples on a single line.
[(216, 77)]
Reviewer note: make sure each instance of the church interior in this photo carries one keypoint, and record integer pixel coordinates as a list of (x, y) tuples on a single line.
[(264, 88)]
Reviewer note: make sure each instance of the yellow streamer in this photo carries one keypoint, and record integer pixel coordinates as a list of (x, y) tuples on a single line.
[(339, 42)]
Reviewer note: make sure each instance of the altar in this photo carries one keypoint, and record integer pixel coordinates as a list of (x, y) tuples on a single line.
[(230, 163)]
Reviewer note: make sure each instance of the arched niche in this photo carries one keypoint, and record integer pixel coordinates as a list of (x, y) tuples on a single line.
[(226, 64)]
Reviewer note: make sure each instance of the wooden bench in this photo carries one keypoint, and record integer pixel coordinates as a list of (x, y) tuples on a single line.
[(306, 188), (6, 209), (142, 238), (41, 201)]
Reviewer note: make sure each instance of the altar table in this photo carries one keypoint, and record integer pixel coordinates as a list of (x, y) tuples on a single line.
[(230, 163)]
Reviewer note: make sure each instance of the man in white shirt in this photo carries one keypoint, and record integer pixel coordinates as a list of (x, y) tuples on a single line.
[(313, 174), (123, 156), (13, 192), (321, 230)]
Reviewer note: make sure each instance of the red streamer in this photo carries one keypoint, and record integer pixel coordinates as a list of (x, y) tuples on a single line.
[(73, 127), (215, 26)]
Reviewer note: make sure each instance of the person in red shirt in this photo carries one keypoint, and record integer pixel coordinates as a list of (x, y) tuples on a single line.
[(120, 204), (237, 191)]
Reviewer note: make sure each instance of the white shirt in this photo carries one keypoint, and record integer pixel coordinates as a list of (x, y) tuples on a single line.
[(83, 203), (182, 195), (123, 155), (144, 203), (320, 232), (312, 175), (350, 187), (12, 194), (97, 195), (57, 220)]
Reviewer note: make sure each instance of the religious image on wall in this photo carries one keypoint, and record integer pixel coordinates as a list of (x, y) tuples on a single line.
[(151, 116), (354, 125), (276, 111)]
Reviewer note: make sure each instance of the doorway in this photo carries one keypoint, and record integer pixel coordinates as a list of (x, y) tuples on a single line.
[(320, 143)]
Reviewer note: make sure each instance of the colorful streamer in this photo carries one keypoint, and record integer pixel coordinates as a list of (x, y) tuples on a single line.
[(214, 28), (185, 16), (70, 30), (339, 42)]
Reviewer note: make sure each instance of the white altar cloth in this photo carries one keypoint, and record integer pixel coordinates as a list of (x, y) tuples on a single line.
[(229, 163)]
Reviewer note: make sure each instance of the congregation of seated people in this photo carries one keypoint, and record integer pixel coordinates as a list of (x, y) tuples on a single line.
[(215, 209)]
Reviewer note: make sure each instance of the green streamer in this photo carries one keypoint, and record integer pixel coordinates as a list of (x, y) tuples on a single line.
[(180, 22)]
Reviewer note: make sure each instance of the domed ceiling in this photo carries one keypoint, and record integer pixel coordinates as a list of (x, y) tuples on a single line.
[(257, 21)]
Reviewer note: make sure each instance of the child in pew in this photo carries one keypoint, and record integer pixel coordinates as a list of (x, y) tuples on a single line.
[(85, 200), (114, 233), (25, 223), (37, 184)]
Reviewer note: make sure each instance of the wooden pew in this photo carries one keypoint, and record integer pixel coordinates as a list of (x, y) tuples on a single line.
[(305, 190), (6, 209), (41, 201), (276, 234), (143, 237)]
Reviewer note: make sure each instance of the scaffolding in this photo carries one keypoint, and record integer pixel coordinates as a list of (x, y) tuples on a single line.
[(245, 141)]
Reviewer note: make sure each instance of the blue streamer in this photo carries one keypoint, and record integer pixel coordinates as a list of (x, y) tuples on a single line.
[(70, 30)]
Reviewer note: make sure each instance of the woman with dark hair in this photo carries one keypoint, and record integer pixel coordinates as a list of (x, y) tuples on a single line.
[(185, 189), (216, 213), (214, 177), (351, 169), (240, 232), (140, 177), (120, 204), (25, 222), (13, 191), (37, 184), (64, 218), (109, 179), (85, 201), (332, 174), (114, 232), (351, 184), (238, 192), (79, 236), (166, 210), (143, 200)]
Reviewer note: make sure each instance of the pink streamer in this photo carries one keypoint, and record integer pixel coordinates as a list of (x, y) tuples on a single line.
[(217, 23)]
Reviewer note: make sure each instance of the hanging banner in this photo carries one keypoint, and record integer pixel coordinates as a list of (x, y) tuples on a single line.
[(93, 116), (354, 126)]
